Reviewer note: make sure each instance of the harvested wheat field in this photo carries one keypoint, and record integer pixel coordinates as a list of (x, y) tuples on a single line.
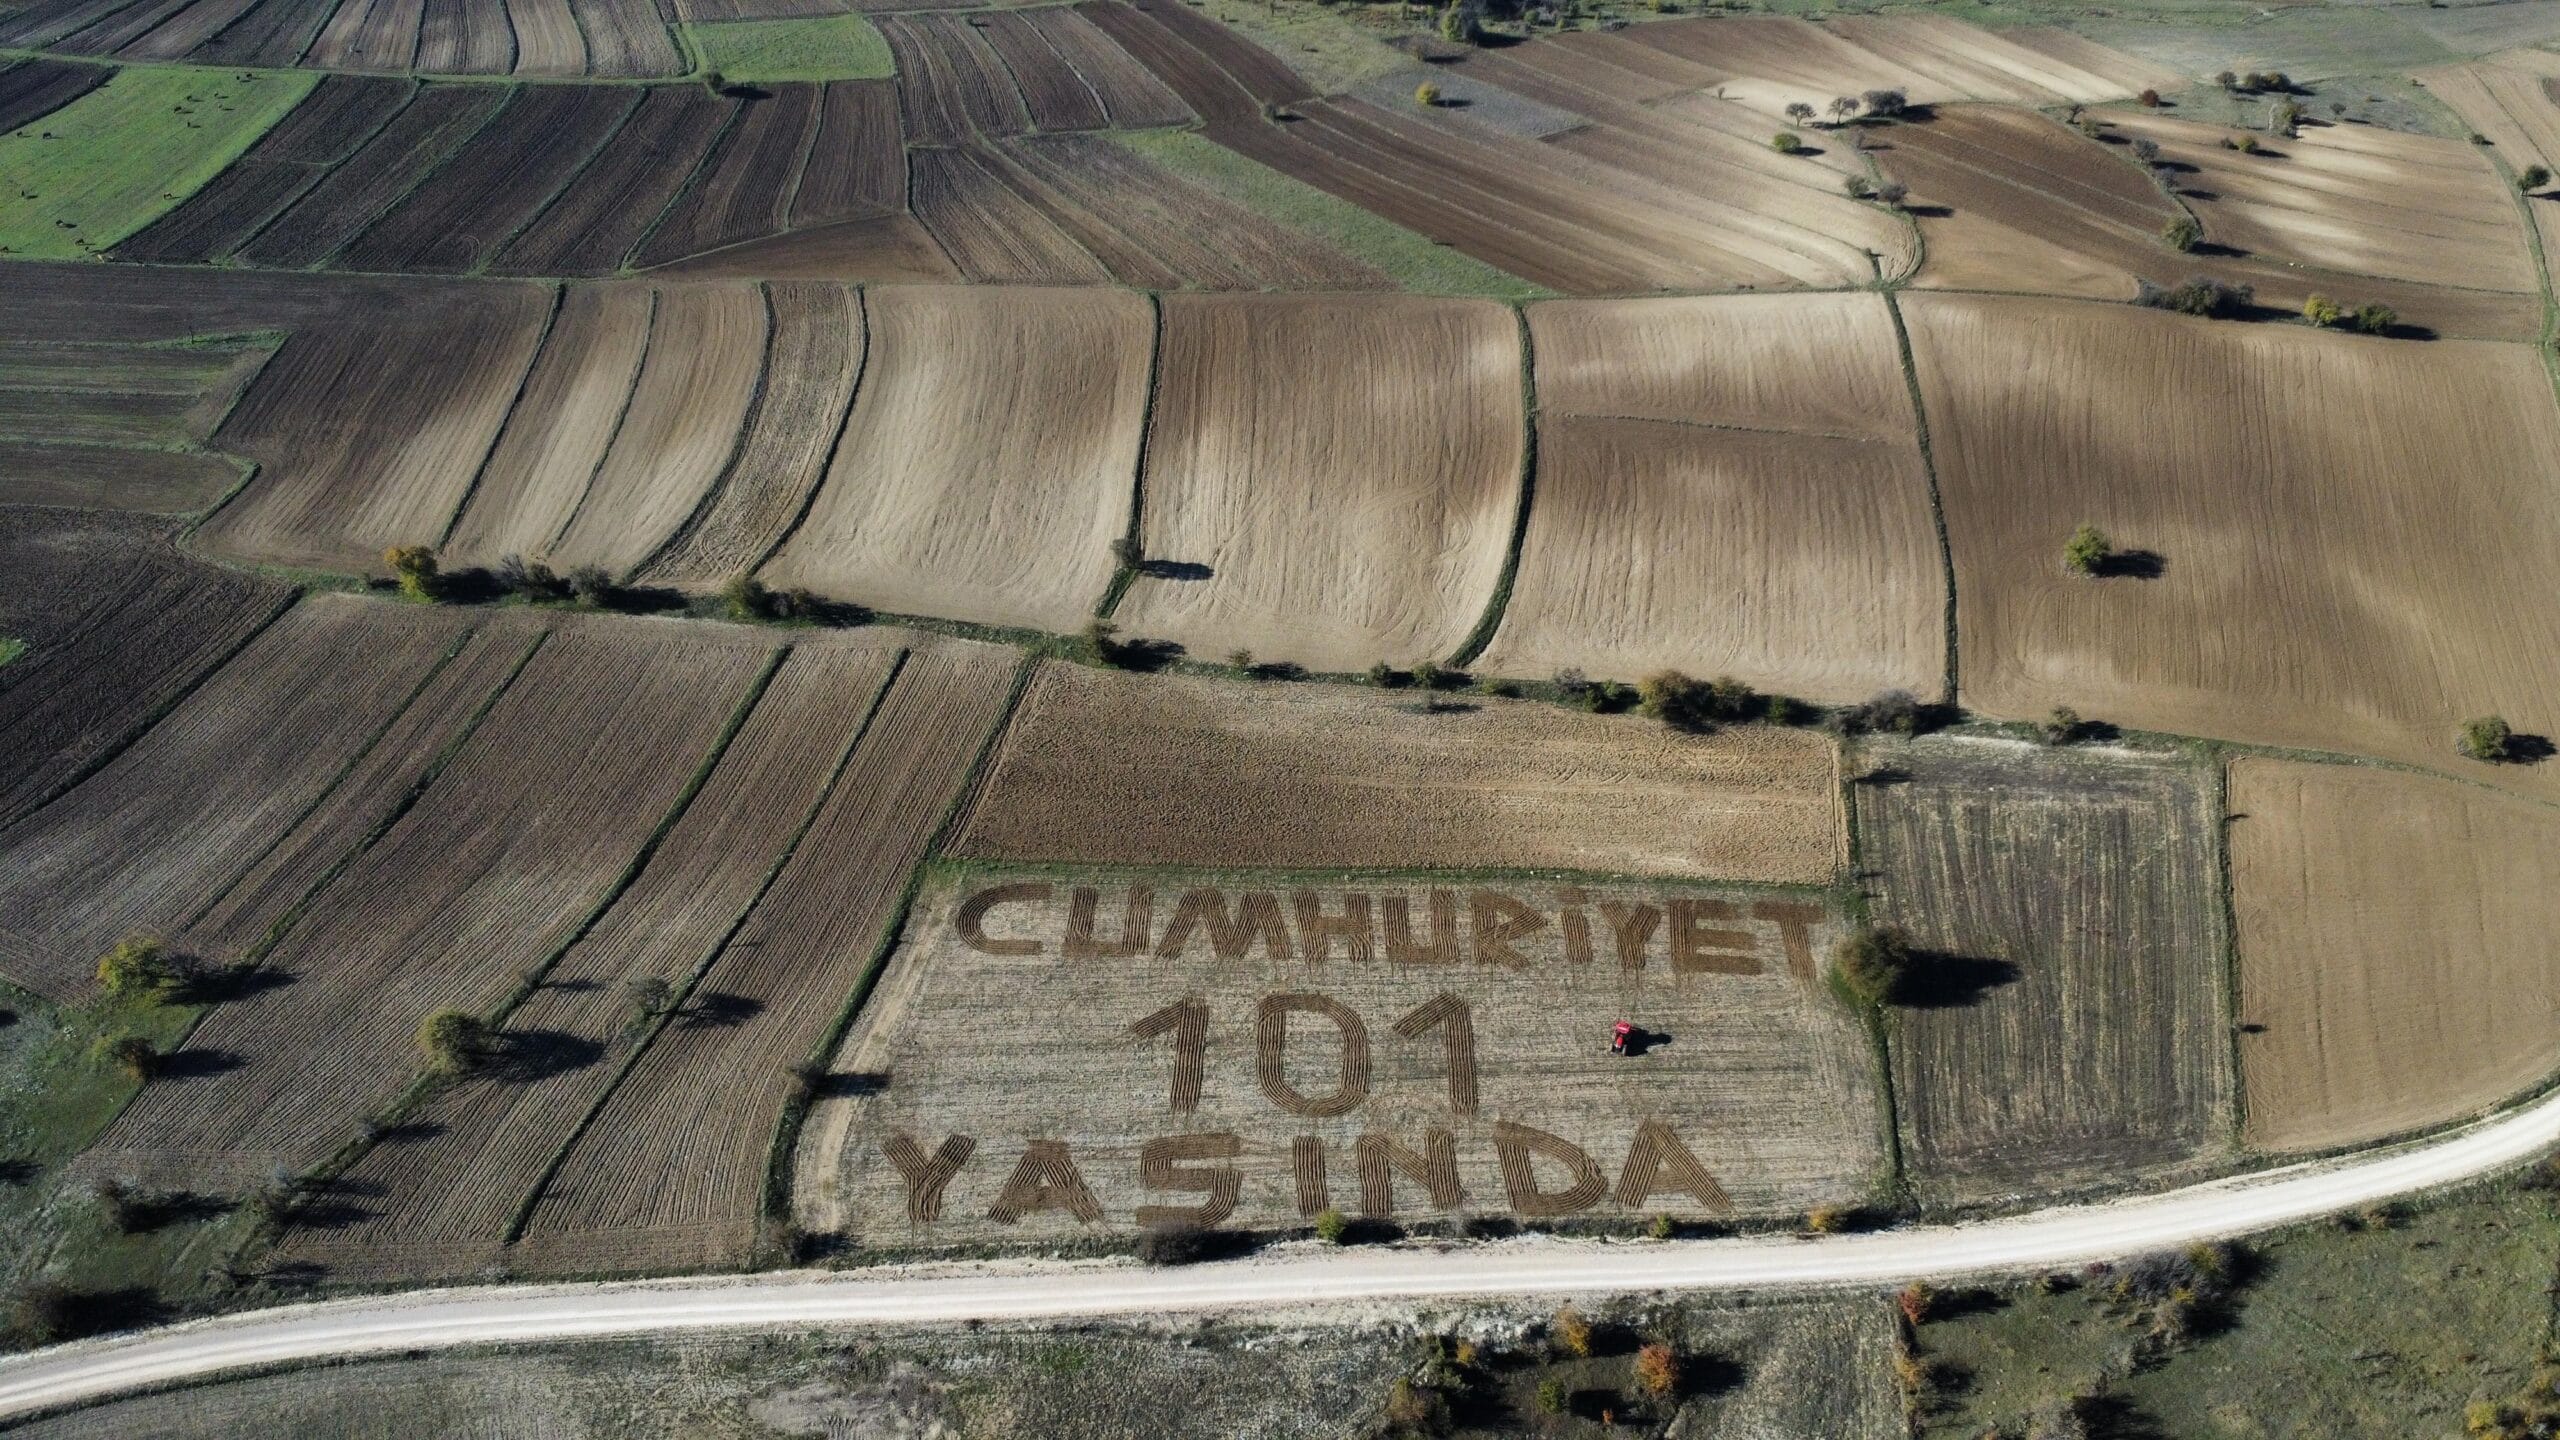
[(2396, 969), (2351, 198), (523, 833), (2316, 583), (1727, 486), (986, 466), (1346, 471), (1242, 1056), (2507, 99), (2068, 1032), (441, 1203), (1108, 768), (144, 845), (368, 433), (670, 1175)]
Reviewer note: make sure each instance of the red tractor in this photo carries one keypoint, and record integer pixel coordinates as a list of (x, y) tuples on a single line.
[(1619, 1034)]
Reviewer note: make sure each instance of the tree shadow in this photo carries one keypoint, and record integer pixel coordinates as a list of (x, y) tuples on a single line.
[(1277, 670), (850, 1085), (1884, 777), (1174, 570), (2131, 565), (407, 1132), (742, 91), (1940, 981), (197, 1064), (161, 1210), (337, 1204), (1442, 705), (1145, 656), (1971, 1300), (19, 1172), (1927, 212), (2529, 749), (2216, 250), (225, 984), (525, 1056), (719, 1009)]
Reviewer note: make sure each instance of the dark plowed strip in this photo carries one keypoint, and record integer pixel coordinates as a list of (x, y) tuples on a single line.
[(1259, 71), (46, 24), (612, 204), (465, 37), (626, 37), (276, 33), (340, 114), (1059, 97), (116, 31), (1216, 96), (441, 119), (499, 181), (991, 233), (1132, 95), (40, 87), (742, 191), (187, 30), (928, 91), (858, 163), (987, 93)]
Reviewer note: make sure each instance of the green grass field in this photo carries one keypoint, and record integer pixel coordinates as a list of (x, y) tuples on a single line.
[(835, 47), (1413, 261), (11, 648), (126, 152)]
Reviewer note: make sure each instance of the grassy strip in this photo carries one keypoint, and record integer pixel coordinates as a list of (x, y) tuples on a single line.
[(102, 167), (1872, 1018), (1500, 602), (833, 47), (1937, 501), (523, 1216), (1414, 262), (11, 648)]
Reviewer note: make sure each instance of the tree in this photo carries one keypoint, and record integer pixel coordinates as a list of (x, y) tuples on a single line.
[(1100, 644), (456, 1042), (1126, 552), (1799, 113), (2182, 233), (2488, 738), (46, 1312), (1785, 142), (141, 967), (1886, 104), (2286, 116), (123, 1203), (2322, 311), (1870, 963), (1916, 1301), (1859, 187), (2061, 727), (1663, 1228), (2146, 150), (2226, 80), (745, 598), (593, 585), (1461, 25), (1842, 108), (1426, 95), (415, 568), (648, 995), (2533, 178), (2200, 295), (1571, 1333), (1332, 1226), (1657, 1371), (2087, 551), (2150, 99), (137, 1057), (529, 579), (2375, 318)]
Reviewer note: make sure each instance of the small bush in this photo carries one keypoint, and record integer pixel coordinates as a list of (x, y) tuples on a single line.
[(1385, 676), (124, 1205), (1869, 964), (2201, 296), (1657, 1371), (1100, 644), (1430, 676), (1241, 662), (1426, 95), (529, 579), (2087, 551), (137, 1057), (1553, 1397), (455, 1042), (1887, 712), (141, 967), (2061, 727), (1859, 187), (2488, 738), (2533, 178), (2226, 80), (1663, 1227), (1785, 710), (1332, 1226), (1127, 553), (1570, 1332), (2150, 99), (48, 1312), (1416, 1409), (414, 566), (2245, 144), (2322, 311), (593, 585), (1917, 1301), (1892, 192), (2182, 234), (2376, 319), (745, 598), (1828, 1219), (1786, 142)]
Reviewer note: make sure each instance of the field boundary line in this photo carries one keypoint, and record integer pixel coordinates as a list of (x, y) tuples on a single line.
[(1498, 603), (1856, 902), (780, 1161), (524, 382), (519, 1221), (1125, 574), (622, 263), (622, 417), (1953, 692), (719, 485), (835, 447)]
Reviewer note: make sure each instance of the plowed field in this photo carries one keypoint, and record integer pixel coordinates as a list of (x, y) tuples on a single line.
[(557, 433)]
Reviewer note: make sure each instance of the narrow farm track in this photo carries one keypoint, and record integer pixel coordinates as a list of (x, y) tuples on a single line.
[(2048, 1239)]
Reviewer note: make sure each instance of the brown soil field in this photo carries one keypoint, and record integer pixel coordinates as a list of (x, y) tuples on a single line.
[(368, 35), (626, 37), (1152, 228), (1197, 81), (670, 1173), (272, 33), (1346, 509), (1105, 768), (811, 367), (1058, 97), (1990, 65), (547, 38), (2352, 198), (1673, 525), (2074, 1035), (31, 89), (1769, 62), (107, 304), (442, 1204), (2395, 968), (986, 466), (613, 202), (522, 835), (1130, 94), (885, 250), (410, 399), (90, 477), (153, 838), (125, 631), (1469, 1073), (2506, 98), (558, 430), (2297, 601), (460, 215), (743, 189), (614, 38), (440, 121), (466, 38), (992, 233), (704, 370), (2014, 201), (960, 77), (857, 163), (1263, 75), (340, 115)]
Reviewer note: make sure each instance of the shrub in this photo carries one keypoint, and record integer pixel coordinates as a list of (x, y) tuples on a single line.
[(1416, 1409), (1100, 644), (2182, 234), (1553, 1397), (1893, 192), (1430, 676), (649, 996), (1870, 962), (1332, 1226), (1177, 1244), (1663, 1227), (1859, 187), (2146, 150), (455, 1042), (2488, 738), (2286, 116), (123, 1204), (1674, 699), (2150, 99), (1917, 1301), (2061, 727), (1827, 1219), (2533, 178), (593, 585), (2087, 551), (746, 598), (415, 568), (1426, 95), (1785, 710), (2374, 318), (2226, 80), (1887, 712), (141, 967), (2201, 295), (47, 1312), (1570, 1332), (2245, 144), (1657, 1370), (1126, 552), (1785, 142), (1385, 676), (137, 1057), (2323, 311), (529, 579)]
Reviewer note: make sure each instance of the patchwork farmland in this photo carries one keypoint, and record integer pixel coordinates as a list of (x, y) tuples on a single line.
[(659, 638)]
